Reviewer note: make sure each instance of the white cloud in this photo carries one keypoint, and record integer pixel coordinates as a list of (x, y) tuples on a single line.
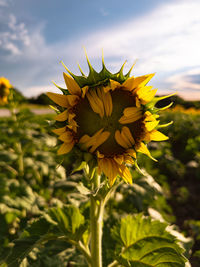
[(37, 90), (3, 3), (165, 41), (187, 83), (14, 36)]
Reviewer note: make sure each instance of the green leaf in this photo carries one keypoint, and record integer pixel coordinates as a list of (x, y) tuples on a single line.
[(33, 236), (66, 223), (143, 242), (68, 219)]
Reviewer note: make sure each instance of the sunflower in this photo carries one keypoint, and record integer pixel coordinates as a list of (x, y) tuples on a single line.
[(110, 116), (4, 90)]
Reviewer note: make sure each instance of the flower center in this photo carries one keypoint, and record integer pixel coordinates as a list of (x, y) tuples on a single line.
[(2, 90), (90, 122)]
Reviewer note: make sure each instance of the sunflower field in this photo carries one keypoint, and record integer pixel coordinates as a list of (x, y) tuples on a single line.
[(51, 213)]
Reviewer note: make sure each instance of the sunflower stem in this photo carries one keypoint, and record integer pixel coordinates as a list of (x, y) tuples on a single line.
[(96, 223)]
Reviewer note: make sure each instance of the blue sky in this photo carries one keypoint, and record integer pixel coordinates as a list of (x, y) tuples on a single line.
[(163, 35)]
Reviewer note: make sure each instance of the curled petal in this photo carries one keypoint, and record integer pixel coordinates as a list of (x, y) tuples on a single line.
[(131, 114), (94, 141)]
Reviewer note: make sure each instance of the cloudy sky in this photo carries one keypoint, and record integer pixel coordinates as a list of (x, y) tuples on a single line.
[(162, 35)]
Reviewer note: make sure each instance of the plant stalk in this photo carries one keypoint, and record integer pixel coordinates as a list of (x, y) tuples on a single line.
[(96, 224)]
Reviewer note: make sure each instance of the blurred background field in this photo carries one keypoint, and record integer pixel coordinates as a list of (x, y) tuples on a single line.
[(33, 178)]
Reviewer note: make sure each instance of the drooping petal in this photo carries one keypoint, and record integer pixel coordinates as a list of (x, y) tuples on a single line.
[(99, 141), (63, 100), (66, 137), (59, 131), (65, 148), (125, 174), (59, 99), (62, 116), (120, 140), (131, 152), (119, 159), (106, 100), (128, 135), (72, 86), (72, 100), (131, 114), (143, 149), (94, 141), (110, 168), (157, 136), (95, 102)]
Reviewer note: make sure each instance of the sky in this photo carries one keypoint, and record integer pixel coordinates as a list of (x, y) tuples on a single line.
[(163, 36)]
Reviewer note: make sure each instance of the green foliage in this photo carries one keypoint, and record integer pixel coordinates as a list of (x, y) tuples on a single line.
[(43, 229), (58, 224), (144, 242), (42, 99)]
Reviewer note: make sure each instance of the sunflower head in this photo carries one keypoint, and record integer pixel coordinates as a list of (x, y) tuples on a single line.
[(109, 117), (4, 90)]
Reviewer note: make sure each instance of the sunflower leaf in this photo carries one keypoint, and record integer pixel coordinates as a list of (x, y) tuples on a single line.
[(66, 223), (143, 242)]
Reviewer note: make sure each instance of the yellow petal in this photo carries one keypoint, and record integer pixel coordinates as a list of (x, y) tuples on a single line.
[(119, 159), (145, 94), (131, 114), (120, 140), (132, 83), (59, 131), (110, 168), (128, 159), (106, 100), (129, 84), (94, 141), (84, 91), (100, 140), (62, 116), (128, 134), (71, 84), (125, 174), (72, 99), (151, 125), (147, 98), (99, 155), (112, 86), (95, 102), (130, 111), (157, 136), (65, 148), (143, 149), (61, 100), (131, 152), (143, 80), (66, 137)]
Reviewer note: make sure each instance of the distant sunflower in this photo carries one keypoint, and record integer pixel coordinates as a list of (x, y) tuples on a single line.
[(4, 90), (111, 116)]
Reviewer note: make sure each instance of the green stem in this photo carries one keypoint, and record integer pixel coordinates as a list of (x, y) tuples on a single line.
[(20, 160), (96, 223)]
